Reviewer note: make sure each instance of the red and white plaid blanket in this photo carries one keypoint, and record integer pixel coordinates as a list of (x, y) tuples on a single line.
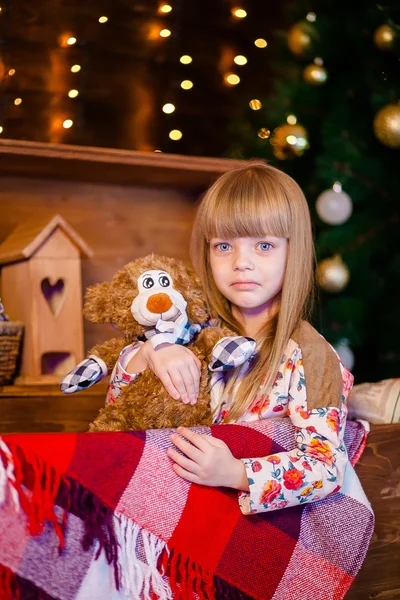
[(95, 516)]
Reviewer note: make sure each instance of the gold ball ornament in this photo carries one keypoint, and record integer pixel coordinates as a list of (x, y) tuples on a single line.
[(301, 38), (315, 74), (289, 141), (332, 274), (384, 37), (387, 125)]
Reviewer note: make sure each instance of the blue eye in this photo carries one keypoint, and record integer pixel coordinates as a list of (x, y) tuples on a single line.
[(223, 246), (265, 246)]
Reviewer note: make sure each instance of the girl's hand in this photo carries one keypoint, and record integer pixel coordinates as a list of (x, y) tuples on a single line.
[(177, 368), (208, 461)]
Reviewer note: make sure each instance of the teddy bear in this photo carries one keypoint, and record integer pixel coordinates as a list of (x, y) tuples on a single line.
[(160, 299)]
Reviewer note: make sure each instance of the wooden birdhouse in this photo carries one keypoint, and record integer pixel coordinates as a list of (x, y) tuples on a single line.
[(41, 286)]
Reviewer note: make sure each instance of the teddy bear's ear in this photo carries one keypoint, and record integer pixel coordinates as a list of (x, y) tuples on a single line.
[(97, 304), (187, 282), (197, 309)]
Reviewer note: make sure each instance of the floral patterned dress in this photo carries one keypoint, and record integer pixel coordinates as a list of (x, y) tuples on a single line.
[(315, 468)]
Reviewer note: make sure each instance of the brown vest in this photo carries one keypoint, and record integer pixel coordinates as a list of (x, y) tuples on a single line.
[(322, 372)]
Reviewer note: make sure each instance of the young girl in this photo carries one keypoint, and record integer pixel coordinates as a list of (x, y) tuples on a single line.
[(252, 247)]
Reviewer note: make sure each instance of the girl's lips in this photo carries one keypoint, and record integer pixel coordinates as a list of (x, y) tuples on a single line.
[(245, 285)]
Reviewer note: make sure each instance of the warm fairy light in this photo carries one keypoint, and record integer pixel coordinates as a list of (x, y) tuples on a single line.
[(67, 123), (187, 84), (17, 101), (311, 17), (239, 13), (240, 60), (11, 72), (261, 43), (157, 150), (66, 39), (73, 93), (75, 68), (185, 59), (168, 108), (165, 8), (165, 33), (232, 79), (293, 140), (291, 119), (103, 19), (264, 133), (255, 104), (1, 129), (175, 134)]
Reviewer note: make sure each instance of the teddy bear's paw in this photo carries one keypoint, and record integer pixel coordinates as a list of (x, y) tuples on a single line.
[(84, 375)]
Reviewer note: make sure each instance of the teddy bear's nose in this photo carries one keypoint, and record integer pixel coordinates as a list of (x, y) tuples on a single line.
[(159, 303)]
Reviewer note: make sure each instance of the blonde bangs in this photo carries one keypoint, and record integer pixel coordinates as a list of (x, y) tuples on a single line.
[(246, 207)]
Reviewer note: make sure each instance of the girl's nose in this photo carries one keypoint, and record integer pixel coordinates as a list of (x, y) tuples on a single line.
[(242, 262)]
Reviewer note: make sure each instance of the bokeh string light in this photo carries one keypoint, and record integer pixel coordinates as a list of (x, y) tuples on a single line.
[(167, 22)]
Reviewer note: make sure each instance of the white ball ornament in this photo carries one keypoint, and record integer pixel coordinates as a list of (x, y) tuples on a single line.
[(334, 206), (345, 353)]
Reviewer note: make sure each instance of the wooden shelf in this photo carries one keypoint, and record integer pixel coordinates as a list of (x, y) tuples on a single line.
[(107, 165), (45, 409), (50, 390)]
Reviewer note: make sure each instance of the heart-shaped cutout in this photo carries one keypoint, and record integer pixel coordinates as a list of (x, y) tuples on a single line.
[(54, 294)]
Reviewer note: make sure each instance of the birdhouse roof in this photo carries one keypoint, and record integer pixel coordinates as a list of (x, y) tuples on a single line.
[(31, 235)]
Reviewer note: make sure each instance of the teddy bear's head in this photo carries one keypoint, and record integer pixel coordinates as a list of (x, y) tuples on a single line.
[(145, 291)]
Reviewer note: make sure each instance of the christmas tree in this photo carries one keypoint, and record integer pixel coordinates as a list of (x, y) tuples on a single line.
[(333, 123)]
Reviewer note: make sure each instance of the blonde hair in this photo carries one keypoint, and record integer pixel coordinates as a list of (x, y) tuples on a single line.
[(253, 201)]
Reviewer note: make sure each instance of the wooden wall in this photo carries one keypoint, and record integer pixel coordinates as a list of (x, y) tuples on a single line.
[(152, 212), (119, 223)]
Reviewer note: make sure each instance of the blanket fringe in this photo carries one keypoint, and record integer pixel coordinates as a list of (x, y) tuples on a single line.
[(33, 485), (97, 519), (9, 589), (187, 577), (7, 477), (36, 487), (139, 553)]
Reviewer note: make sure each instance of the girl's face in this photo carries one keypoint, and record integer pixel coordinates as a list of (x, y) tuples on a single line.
[(249, 271)]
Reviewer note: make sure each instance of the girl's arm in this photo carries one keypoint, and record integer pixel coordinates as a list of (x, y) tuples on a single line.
[(120, 377), (311, 471), (315, 468)]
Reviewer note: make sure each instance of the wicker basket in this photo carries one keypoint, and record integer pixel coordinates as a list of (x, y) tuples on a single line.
[(10, 342)]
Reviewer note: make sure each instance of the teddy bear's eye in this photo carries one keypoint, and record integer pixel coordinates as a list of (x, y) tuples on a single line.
[(164, 281), (148, 283)]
